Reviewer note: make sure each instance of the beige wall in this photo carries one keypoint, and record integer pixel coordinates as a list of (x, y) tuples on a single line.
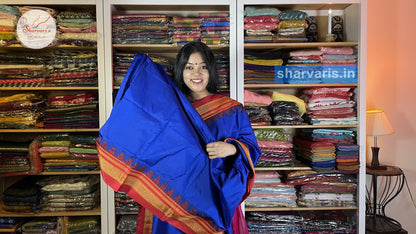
[(391, 86)]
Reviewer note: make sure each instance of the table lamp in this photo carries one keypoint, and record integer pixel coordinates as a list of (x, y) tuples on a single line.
[(377, 125)]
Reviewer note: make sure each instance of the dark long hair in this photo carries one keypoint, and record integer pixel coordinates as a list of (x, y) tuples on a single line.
[(182, 59)]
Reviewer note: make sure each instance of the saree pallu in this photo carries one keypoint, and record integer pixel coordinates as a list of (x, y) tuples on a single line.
[(152, 147)]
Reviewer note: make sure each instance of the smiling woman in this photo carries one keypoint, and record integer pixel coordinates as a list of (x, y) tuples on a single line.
[(189, 165)]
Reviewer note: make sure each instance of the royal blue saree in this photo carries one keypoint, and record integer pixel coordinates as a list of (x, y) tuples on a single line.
[(152, 147)]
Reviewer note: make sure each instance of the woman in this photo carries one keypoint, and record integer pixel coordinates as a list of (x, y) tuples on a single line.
[(188, 173), (196, 74)]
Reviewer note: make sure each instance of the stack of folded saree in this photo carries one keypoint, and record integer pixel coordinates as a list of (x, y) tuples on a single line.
[(50, 148), (275, 153), (70, 193), (330, 105), (278, 96), (316, 189), (292, 26), (328, 135), (269, 191), (305, 57), (126, 224), (14, 158), (84, 225), (310, 176), (186, 29), (277, 150), (319, 155), (122, 62), (141, 29), (257, 108), (45, 225), (22, 196), (8, 21), (64, 152), (267, 177), (215, 28), (259, 67), (329, 193), (277, 134), (260, 24), (285, 113), (23, 110), (73, 68), (274, 222), (124, 203), (8, 222), (271, 195), (22, 70), (223, 68), (338, 56), (347, 158), (333, 221), (72, 111), (259, 115), (77, 28)]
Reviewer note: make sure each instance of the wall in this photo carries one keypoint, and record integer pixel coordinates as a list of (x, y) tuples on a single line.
[(391, 86)]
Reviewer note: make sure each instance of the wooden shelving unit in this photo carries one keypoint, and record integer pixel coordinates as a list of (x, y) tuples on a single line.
[(5, 181)]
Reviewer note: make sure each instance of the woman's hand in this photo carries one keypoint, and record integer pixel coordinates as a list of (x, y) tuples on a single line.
[(220, 149)]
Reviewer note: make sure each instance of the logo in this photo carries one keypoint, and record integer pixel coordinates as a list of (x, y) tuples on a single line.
[(36, 29), (316, 74)]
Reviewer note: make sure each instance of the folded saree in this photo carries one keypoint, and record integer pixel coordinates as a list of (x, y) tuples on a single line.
[(154, 128)]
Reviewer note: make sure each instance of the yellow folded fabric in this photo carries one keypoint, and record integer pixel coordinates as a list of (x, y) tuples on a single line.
[(277, 96)]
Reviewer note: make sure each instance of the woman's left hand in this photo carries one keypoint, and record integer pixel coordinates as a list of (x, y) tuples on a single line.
[(220, 149)]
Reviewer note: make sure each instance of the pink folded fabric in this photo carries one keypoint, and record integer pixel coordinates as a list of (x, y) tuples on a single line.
[(252, 97), (267, 174), (337, 50), (305, 53)]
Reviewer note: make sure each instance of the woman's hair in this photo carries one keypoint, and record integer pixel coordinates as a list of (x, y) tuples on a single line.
[(182, 59)]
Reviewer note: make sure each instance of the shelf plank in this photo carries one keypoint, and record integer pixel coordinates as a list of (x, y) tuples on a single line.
[(294, 168), (305, 126), (222, 87), (69, 47), (297, 208), (41, 130), (298, 45), (300, 85), (95, 212), (70, 173), (165, 48), (46, 88)]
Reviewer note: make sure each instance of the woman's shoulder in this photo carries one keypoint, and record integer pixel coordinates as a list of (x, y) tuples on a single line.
[(218, 100), (224, 97)]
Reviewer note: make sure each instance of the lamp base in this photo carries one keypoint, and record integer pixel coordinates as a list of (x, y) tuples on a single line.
[(375, 165), (381, 224)]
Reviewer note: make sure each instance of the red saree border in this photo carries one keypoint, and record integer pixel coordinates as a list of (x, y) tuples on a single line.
[(246, 153), (214, 105), (140, 186), (144, 221)]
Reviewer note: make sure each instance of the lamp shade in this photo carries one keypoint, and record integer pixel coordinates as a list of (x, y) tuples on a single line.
[(378, 124)]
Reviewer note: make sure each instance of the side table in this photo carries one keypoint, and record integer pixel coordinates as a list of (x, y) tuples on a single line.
[(384, 187)]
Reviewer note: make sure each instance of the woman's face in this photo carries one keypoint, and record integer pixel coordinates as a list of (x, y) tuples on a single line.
[(196, 75)]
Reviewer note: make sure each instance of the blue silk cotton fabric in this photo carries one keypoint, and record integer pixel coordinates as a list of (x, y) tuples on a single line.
[(155, 127)]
